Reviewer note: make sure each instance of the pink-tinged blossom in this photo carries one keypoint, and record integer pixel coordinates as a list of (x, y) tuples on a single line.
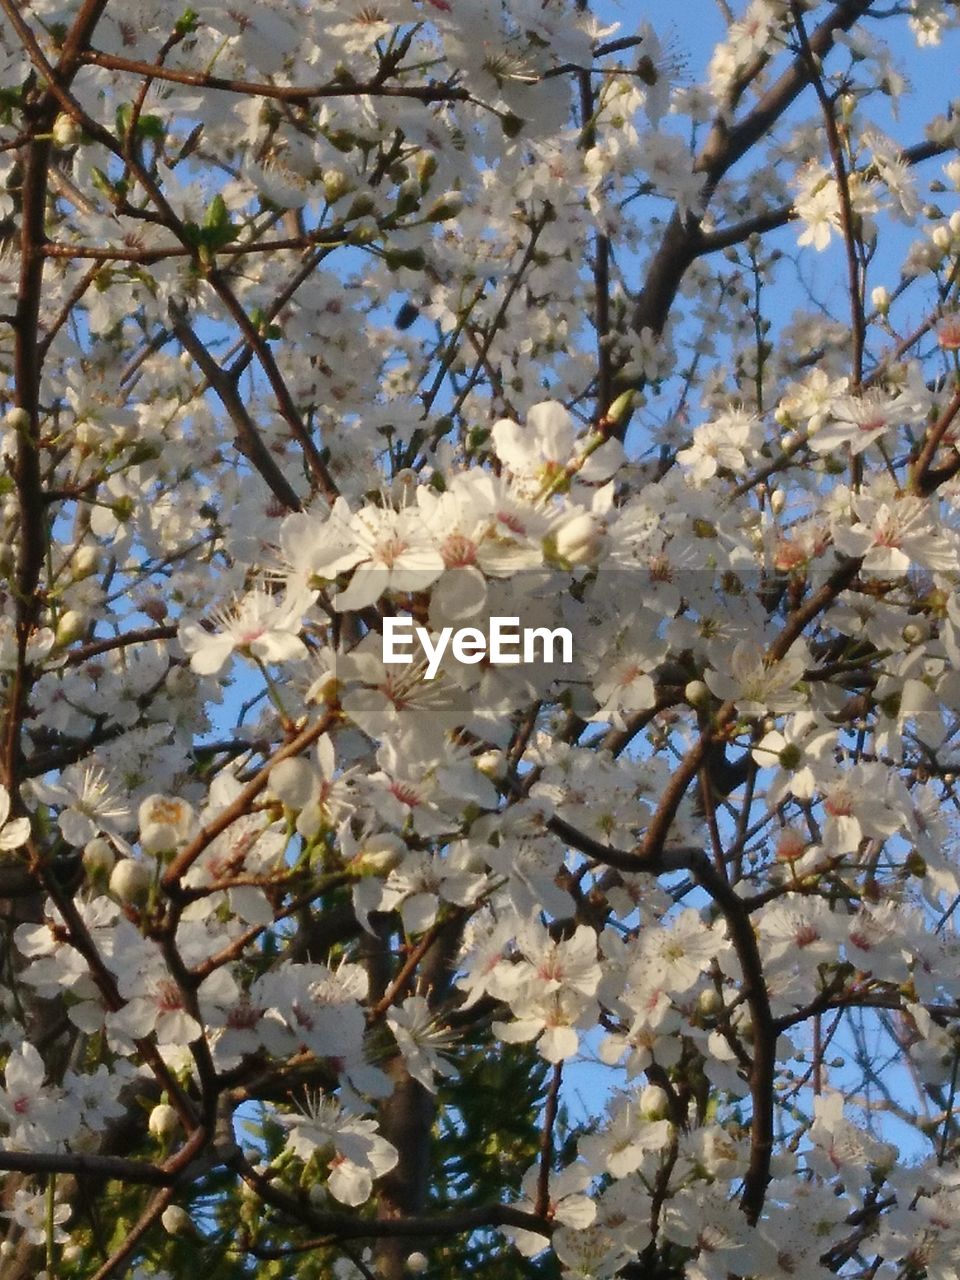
[(260, 625), (389, 551), (31, 1213), (545, 450), (723, 444), (33, 1114), (893, 534), (855, 422), (90, 802), (421, 1042), (360, 1154), (756, 684)]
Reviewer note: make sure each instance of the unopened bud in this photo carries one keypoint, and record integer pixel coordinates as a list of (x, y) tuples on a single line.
[(880, 297), (654, 1103), (85, 562), (379, 854), (336, 184), (99, 858), (163, 1122), (709, 1002), (177, 1221), (778, 500), (620, 407), (361, 205), (426, 166), (70, 626), (65, 131), (130, 881), (697, 693), (941, 238), (448, 206), (17, 420), (408, 196), (492, 764), (577, 541)]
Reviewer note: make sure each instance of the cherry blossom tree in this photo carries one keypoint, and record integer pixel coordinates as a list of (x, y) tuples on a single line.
[(319, 314)]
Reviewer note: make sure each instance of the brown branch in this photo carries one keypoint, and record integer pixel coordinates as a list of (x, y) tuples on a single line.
[(771, 219), (94, 648), (78, 935), (249, 441), (98, 253), (178, 1164), (343, 1226), (852, 246), (725, 145), (115, 1167), (601, 264), (74, 296), (551, 1107), (187, 856), (288, 410), (283, 93), (923, 481)]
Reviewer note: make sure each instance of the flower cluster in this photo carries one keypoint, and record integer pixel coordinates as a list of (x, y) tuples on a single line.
[(326, 319)]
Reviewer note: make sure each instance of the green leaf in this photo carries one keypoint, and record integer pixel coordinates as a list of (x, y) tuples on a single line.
[(187, 22), (150, 126), (216, 230)]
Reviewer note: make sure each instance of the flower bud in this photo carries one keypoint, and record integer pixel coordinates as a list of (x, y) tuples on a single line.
[(165, 823), (65, 131), (361, 205), (654, 1103), (709, 1002), (778, 500), (99, 858), (697, 693), (85, 562), (880, 297), (941, 238), (492, 764), (408, 196), (448, 206), (578, 540), (130, 881), (620, 407), (379, 854), (177, 1221), (336, 184), (426, 166), (163, 1122), (17, 420), (70, 626)]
